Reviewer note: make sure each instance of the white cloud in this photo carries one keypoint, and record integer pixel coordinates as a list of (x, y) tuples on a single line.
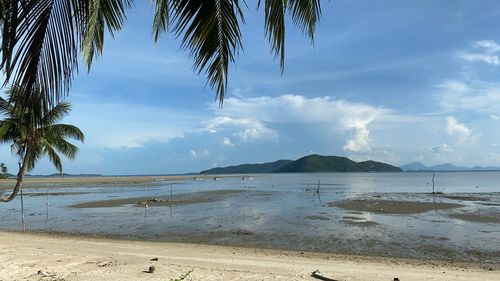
[(484, 51), (489, 59), (494, 117), (247, 129), (193, 153), (338, 117), (227, 141), (489, 46), (474, 96), (442, 148), (457, 130)]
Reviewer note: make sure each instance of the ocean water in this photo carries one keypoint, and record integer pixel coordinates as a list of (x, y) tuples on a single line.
[(284, 211)]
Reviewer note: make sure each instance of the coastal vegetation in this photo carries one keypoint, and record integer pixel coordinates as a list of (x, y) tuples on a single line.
[(310, 163), (31, 140), (4, 171)]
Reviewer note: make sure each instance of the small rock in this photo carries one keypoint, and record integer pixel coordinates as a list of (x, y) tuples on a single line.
[(45, 273), (154, 259), (151, 269)]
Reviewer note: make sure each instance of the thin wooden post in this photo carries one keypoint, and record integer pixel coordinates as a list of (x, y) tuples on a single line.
[(433, 174), (171, 187), (319, 183), (22, 211), (47, 207)]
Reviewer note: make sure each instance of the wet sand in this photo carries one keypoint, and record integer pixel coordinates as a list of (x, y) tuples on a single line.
[(391, 207), (45, 257), (477, 217), (54, 182), (465, 197), (177, 200)]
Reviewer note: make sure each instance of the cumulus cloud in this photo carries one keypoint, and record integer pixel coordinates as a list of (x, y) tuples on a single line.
[(337, 116), (458, 130), (247, 129), (442, 148), (483, 51)]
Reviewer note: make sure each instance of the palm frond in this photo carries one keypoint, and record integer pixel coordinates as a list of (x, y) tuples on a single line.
[(53, 157), (39, 47), (161, 18), (274, 24), (211, 32), (35, 153), (101, 15), (305, 14), (64, 131), (63, 146), (56, 114)]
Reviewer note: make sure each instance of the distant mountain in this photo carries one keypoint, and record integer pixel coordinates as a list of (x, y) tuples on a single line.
[(320, 163), (414, 166), (248, 168), (417, 166), (311, 163)]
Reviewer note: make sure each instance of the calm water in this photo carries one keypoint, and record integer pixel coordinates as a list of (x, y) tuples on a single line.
[(284, 211)]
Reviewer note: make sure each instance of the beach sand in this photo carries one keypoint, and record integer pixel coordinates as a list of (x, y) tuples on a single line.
[(46, 257), (54, 182)]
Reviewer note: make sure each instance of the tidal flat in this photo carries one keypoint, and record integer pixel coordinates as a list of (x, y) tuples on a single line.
[(374, 214)]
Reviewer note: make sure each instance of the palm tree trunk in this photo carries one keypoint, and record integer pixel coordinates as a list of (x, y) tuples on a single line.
[(19, 182)]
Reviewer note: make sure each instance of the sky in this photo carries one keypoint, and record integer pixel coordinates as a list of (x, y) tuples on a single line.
[(392, 81)]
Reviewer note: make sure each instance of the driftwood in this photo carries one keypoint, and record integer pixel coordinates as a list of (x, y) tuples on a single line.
[(317, 275)]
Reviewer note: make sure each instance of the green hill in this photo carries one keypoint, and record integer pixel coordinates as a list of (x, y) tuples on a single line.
[(319, 163), (249, 168), (311, 163)]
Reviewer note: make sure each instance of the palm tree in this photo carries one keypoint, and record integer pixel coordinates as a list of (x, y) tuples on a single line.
[(3, 170), (34, 140), (42, 39)]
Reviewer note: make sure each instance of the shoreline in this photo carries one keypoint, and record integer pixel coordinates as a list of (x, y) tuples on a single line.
[(57, 182), (80, 257)]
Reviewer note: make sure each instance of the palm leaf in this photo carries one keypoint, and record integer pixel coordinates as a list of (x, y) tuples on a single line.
[(99, 15), (57, 113), (53, 157), (64, 130), (66, 148), (210, 30), (39, 48), (305, 14), (274, 24), (161, 18)]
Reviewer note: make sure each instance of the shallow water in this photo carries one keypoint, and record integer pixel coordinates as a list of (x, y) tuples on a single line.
[(284, 211)]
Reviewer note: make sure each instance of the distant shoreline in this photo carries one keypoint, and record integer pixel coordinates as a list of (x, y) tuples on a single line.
[(55, 182)]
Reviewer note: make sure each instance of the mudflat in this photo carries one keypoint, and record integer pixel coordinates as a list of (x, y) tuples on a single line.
[(177, 200), (391, 206)]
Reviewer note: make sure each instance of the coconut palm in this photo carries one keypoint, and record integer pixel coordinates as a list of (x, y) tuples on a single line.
[(42, 39), (33, 140), (3, 170)]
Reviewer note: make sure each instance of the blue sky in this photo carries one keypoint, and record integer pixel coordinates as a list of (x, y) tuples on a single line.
[(394, 81)]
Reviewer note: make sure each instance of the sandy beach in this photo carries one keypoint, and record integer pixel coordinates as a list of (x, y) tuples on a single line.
[(46, 257), (54, 182)]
